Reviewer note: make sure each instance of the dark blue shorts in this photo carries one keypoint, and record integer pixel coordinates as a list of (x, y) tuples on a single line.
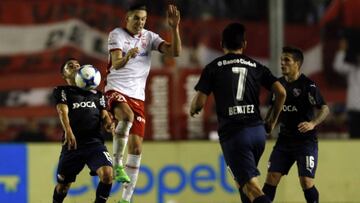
[(73, 161), (306, 158), (242, 152)]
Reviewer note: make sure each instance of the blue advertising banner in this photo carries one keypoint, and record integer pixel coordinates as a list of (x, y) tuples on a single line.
[(13, 173)]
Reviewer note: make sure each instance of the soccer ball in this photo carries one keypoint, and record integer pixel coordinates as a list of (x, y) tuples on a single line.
[(88, 77)]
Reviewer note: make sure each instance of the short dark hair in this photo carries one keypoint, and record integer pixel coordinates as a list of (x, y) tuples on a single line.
[(137, 6), (295, 52), (65, 63), (233, 36)]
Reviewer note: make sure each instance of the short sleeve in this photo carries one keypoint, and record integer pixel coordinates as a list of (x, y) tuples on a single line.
[(59, 95), (204, 84), (267, 79), (115, 40), (156, 40)]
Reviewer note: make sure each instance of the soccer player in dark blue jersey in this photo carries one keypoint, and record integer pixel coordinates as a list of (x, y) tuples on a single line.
[(235, 81), (82, 114), (297, 141)]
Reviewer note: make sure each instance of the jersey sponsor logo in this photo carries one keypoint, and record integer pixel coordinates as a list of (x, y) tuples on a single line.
[(296, 92), (242, 61), (289, 108), (243, 109), (88, 104)]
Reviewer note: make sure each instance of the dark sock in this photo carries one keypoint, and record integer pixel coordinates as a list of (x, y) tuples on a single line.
[(311, 195), (262, 199), (269, 191), (243, 197), (102, 192), (58, 197)]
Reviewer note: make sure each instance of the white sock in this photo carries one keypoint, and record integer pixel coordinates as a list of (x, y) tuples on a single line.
[(132, 170), (120, 140)]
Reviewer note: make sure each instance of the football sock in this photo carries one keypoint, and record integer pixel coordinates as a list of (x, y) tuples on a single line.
[(102, 192), (243, 196), (132, 169), (120, 140), (311, 195), (58, 197), (269, 191), (262, 199)]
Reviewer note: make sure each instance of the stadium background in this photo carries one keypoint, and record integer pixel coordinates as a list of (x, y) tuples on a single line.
[(37, 36)]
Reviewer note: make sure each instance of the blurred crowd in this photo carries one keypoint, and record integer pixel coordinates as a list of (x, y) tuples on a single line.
[(307, 12), (297, 11)]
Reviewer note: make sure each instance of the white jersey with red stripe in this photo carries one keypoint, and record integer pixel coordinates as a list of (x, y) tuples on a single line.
[(131, 79)]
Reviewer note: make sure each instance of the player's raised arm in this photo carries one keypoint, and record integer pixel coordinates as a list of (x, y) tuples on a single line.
[(70, 139), (173, 18), (280, 96), (197, 103)]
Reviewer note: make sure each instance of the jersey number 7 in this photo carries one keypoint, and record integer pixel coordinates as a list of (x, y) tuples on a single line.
[(241, 82)]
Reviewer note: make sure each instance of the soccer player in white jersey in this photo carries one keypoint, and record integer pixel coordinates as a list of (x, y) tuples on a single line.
[(130, 60)]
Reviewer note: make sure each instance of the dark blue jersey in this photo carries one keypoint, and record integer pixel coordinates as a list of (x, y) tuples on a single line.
[(302, 97), (84, 112), (235, 80)]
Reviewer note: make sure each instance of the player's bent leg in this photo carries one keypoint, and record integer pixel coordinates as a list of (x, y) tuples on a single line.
[(254, 193), (272, 180), (60, 192), (310, 192), (105, 174), (125, 117), (104, 186)]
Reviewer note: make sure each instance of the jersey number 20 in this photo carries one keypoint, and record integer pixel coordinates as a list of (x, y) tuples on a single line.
[(241, 82)]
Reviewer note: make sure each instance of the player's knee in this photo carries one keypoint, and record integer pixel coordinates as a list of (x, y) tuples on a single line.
[(306, 182), (273, 178), (106, 178), (136, 150), (106, 175), (63, 188)]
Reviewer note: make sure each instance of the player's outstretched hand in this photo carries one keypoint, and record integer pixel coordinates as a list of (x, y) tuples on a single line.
[(173, 16), (70, 141)]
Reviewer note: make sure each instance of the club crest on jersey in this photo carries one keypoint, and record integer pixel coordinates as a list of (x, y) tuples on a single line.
[(296, 92), (88, 104), (143, 43)]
